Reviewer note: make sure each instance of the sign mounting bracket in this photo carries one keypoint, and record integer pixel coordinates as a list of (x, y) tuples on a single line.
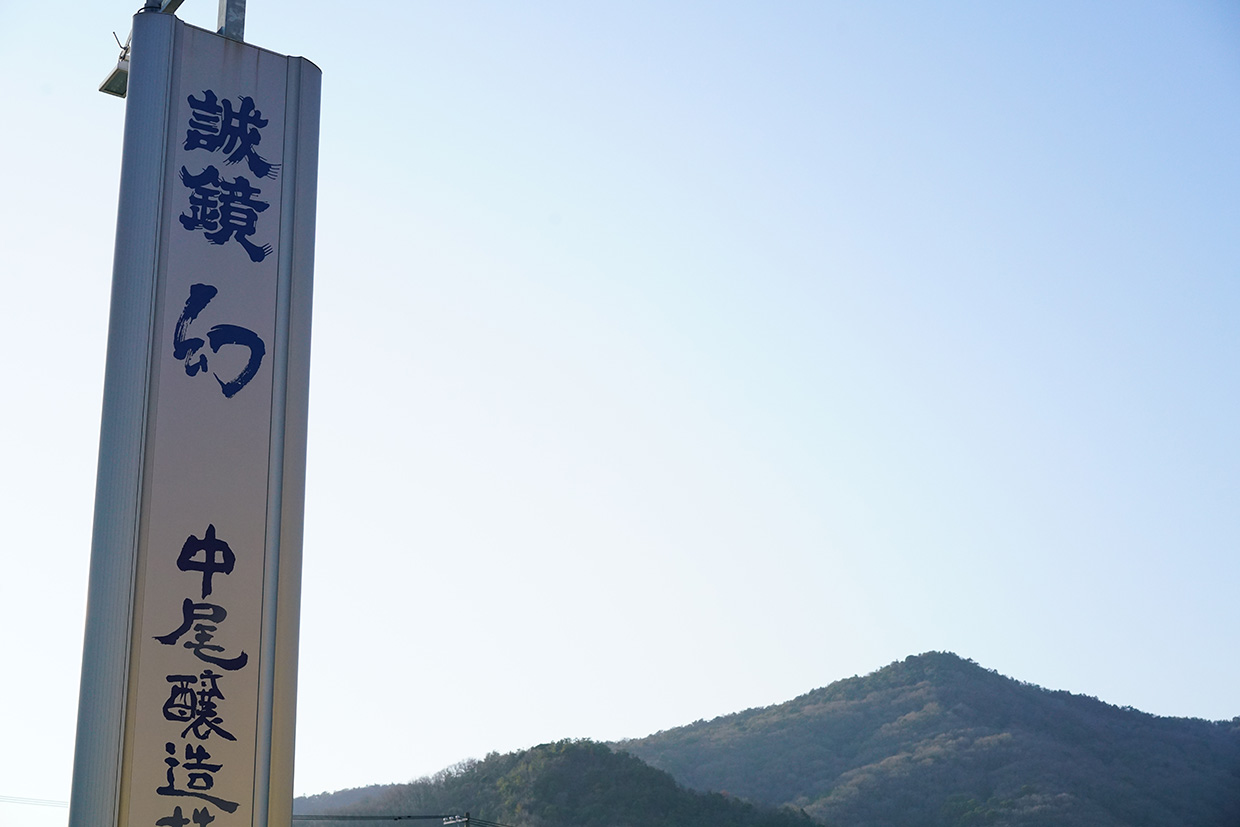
[(230, 23)]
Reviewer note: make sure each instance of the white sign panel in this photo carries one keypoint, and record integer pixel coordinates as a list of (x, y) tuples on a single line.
[(209, 685)]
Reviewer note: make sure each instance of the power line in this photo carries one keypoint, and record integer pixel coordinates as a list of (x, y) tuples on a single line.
[(304, 817), (447, 819), (467, 820), (38, 802)]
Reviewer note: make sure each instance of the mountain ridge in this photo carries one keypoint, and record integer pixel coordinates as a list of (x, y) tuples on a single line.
[(934, 740), (936, 722)]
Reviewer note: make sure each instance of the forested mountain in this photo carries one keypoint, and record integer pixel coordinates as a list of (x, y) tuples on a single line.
[(932, 741), (566, 784), (938, 740)]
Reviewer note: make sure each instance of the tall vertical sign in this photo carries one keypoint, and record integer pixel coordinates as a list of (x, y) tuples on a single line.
[(189, 670)]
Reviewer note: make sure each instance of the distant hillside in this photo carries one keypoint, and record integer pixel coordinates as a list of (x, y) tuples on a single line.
[(938, 740), (933, 741), (566, 784)]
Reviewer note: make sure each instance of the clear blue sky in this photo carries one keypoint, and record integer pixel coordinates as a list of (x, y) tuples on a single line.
[(672, 359)]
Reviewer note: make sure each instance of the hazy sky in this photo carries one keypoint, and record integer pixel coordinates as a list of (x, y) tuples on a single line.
[(676, 358)]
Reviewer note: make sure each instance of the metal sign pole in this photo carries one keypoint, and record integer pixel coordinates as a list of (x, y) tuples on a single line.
[(232, 19)]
